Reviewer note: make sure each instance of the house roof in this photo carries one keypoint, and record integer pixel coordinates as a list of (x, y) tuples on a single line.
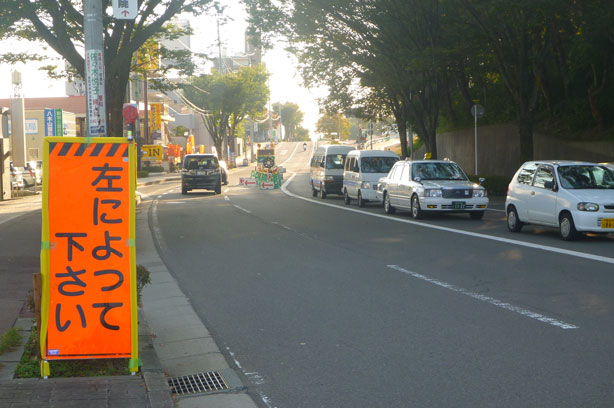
[(74, 104)]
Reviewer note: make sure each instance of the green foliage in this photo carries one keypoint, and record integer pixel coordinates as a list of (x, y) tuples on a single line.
[(494, 185), (153, 169), (143, 278), (334, 126), (225, 100), (142, 173), (291, 117), (9, 340), (29, 366), (301, 134), (59, 25)]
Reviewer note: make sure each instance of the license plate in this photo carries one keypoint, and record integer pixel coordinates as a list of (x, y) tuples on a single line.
[(607, 223), (458, 205)]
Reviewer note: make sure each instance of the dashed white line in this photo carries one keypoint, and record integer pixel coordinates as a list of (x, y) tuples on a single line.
[(241, 208), (507, 306), (568, 252), (226, 198)]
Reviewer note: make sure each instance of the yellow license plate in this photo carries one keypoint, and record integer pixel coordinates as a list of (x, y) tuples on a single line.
[(607, 223)]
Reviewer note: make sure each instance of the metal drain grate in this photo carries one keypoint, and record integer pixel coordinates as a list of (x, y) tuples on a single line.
[(197, 383)]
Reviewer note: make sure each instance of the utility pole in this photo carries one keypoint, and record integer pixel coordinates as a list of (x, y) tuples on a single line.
[(94, 69)]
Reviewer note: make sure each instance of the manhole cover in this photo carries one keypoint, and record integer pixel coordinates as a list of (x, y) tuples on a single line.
[(197, 383)]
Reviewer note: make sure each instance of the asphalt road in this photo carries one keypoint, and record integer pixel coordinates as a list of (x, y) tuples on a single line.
[(319, 304)]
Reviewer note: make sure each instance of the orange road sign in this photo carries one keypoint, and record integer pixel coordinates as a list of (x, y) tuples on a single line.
[(88, 259)]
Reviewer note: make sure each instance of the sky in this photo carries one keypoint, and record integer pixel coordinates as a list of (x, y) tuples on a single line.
[(284, 83)]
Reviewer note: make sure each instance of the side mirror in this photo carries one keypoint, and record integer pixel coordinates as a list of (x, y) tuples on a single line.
[(549, 185), (417, 179), (481, 180)]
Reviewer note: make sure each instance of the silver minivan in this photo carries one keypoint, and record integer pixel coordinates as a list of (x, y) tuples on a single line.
[(326, 173), (363, 169)]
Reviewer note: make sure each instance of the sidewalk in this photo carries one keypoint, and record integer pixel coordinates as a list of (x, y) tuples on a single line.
[(172, 339)]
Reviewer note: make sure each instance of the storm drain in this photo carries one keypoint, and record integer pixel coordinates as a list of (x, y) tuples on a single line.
[(197, 383)]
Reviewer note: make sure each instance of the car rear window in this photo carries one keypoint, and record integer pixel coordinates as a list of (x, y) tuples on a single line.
[(200, 163)]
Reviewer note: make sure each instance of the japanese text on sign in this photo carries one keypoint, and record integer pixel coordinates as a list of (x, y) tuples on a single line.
[(90, 301)]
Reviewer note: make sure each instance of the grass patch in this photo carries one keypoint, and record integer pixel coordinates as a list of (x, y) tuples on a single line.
[(29, 366), (9, 340)]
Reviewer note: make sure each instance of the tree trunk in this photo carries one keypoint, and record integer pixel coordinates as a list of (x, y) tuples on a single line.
[(594, 92), (525, 130)]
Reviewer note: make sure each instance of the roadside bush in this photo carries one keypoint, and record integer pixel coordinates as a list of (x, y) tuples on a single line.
[(154, 169), (494, 185), (142, 173), (143, 277), (9, 340)]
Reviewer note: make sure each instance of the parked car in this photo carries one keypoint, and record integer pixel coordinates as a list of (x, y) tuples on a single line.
[(362, 171), (423, 186), (201, 171), (574, 197), (609, 165), (16, 178), (326, 174), (32, 174)]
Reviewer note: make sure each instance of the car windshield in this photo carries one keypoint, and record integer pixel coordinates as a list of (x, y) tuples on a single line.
[(586, 176), (438, 171), (200, 163), (335, 161), (377, 164)]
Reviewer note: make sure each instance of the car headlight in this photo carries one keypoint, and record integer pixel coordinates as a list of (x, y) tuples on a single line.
[(433, 192), (365, 185), (479, 192), (588, 207)]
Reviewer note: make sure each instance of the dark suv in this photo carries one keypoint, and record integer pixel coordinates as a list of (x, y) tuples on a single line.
[(201, 171)]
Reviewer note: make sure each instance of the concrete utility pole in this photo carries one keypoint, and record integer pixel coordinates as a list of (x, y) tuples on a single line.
[(94, 69)]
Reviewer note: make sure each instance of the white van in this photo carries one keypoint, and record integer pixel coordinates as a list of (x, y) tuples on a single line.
[(362, 170), (326, 175)]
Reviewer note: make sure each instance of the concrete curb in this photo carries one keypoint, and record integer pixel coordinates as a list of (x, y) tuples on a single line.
[(181, 342)]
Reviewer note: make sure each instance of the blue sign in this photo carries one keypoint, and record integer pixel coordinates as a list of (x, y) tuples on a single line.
[(49, 122)]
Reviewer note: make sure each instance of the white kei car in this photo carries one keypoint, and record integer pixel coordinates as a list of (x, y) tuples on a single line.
[(572, 196)]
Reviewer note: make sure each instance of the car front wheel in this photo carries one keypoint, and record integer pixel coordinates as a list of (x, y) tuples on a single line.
[(361, 202), (513, 222), (476, 215), (387, 206), (416, 211), (346, 196), (567, 227)]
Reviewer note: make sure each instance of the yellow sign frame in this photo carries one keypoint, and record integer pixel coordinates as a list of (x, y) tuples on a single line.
[(47, 246)]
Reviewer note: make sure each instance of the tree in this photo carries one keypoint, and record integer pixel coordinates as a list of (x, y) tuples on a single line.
[(335, 124), (59, 24), (291, 117), (380, 57), (225, 100), (301, 134)]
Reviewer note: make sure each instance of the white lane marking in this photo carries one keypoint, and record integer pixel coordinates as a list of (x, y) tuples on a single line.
[(266, 400), (242, 209), (226, 198), (494, 209), (282, 225), (227, 190), (568, 252), (524, 312), (174, 202), (234, 358), (293, 151)]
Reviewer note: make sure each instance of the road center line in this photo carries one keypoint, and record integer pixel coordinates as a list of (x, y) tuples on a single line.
[(293, 151), (568, 252), (516, 309)]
